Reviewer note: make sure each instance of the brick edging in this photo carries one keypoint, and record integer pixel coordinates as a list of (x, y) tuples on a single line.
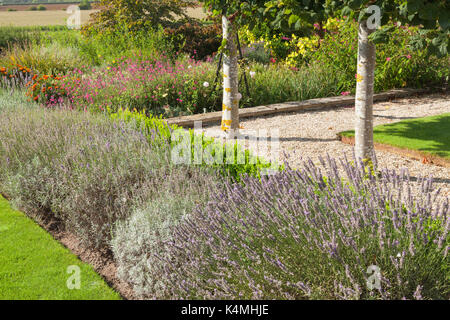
[(339, 101)]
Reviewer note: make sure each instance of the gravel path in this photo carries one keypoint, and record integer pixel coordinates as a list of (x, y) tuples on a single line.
[(309, 134)]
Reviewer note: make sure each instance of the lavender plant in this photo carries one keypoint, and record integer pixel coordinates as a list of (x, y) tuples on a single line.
[(85, 170), (310, 234), (137, 239)]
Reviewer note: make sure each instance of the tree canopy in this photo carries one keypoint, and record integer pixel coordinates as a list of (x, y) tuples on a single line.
[(433, 16), (138, 14)]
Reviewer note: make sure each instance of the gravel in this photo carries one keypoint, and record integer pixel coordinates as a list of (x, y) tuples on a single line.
[(313, 133)]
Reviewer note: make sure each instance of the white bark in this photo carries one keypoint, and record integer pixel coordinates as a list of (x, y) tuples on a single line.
[(230, 106), (364, 94)]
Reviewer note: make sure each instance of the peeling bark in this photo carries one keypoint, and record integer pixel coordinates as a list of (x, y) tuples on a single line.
[(364, 148), (231, 97)]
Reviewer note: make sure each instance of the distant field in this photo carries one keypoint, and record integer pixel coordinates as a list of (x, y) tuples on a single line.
[(38, 18), (57, 17), (52, 6)]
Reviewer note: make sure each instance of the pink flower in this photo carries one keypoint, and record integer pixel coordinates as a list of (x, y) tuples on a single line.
[(345, 93), (388, 59), (408, 56)]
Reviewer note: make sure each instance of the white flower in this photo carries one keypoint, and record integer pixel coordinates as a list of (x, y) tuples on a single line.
[(189, 66), (252, 74), (399, 255), (206, 84), (239, 96)]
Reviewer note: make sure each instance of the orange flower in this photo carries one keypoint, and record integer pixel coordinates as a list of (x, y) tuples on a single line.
[(3, 69), (45, 77), (35, 98), (35, 77)]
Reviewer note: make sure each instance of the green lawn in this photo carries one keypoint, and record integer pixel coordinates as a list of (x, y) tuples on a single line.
[(430, 135), (34, 266)]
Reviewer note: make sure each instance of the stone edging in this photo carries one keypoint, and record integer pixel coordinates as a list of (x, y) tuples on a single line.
[(339, 101)]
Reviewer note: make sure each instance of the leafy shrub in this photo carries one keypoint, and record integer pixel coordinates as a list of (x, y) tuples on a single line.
[(41, 8), (300, 234), (196, 39), (10, 36), (32, 8), (398, 64), (85, 5), (123, 42), (234, 164), (136, 15)]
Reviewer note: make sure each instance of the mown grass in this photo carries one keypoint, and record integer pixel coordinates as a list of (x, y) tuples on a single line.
[(33, 266), (430, 135)]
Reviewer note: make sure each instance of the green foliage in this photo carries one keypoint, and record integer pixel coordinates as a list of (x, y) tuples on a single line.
[(10, 36), (195, 38), (136, 15), (85, 5), (235, 162)]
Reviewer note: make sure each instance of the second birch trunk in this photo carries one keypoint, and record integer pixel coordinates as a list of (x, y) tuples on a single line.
[(231, 97), (364, 149)]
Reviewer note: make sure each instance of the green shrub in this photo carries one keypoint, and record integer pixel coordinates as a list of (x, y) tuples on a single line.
[(41, 8), (137, 16), (242, 164), (195, 38), (33, 8), (85, 5)]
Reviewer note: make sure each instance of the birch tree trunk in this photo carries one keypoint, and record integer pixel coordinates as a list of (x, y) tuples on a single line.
[(231, 97), (364, 94)]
